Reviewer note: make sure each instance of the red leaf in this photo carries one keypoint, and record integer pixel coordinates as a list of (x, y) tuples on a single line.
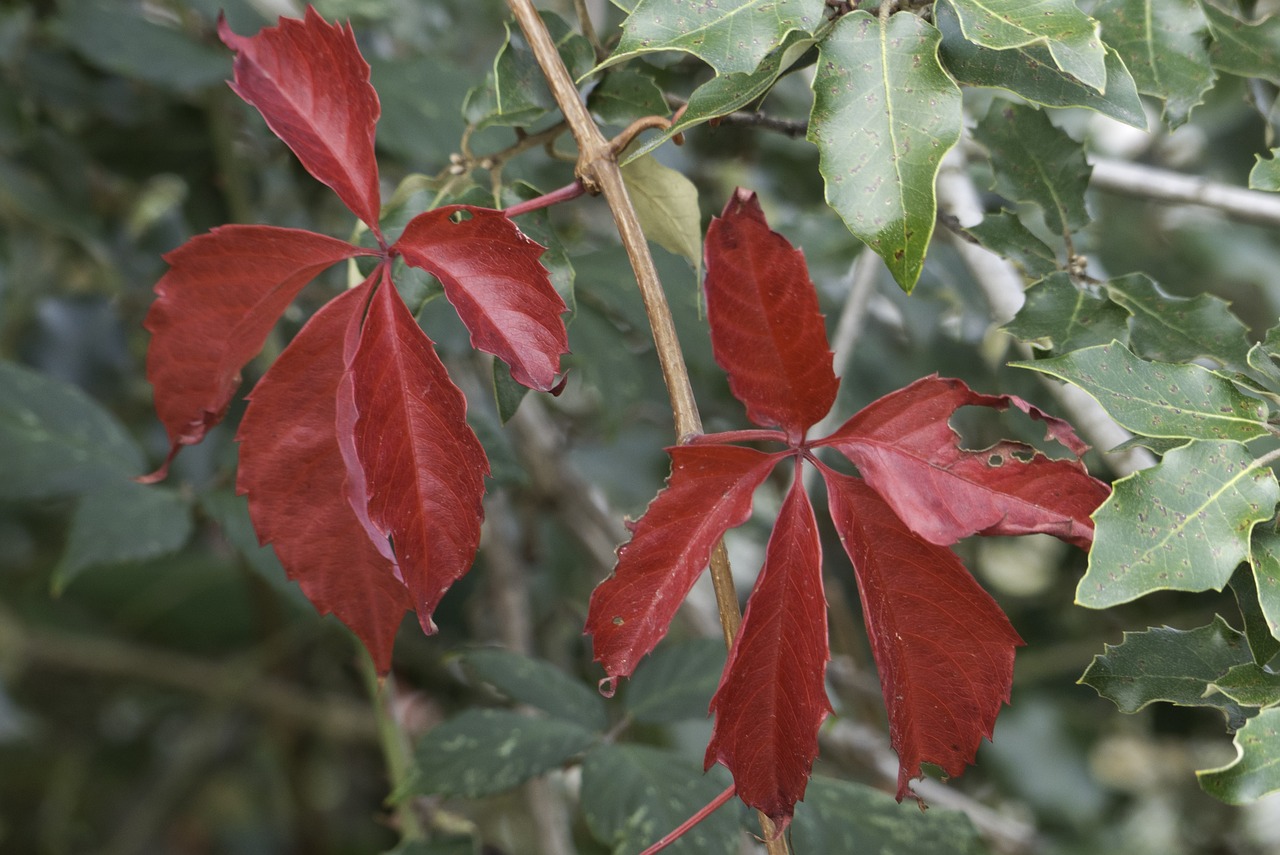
[(905, 448), (943, 648), (491, 274), (311, 84), (772, 697), (213, 310), (292, 470), (708, 493), (423, 467), (766, 329)]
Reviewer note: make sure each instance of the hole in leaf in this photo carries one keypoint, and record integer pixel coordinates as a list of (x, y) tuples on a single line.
[(460, 216)]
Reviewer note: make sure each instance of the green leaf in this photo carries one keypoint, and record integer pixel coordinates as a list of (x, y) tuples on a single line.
[(1164, 45), (516, 94), (1245, 48), (1265, 174), (1182, 525), (884, 114), (839, 816), (730, 36), (1159, 398), (231, 513), (1070, 35), (1262, 641), (483, 751), (1171, 665), (1029, 71), (123, 522), (1004, 234), (1266, 575), (1249, 685), (56, 440), (1058, 315), (1036, 162), (633, 794), (538, 684), (676, 683), (624, 96), (1256, 769), (667, 205)]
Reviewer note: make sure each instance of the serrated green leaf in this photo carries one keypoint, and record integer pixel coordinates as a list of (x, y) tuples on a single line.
[(1265, 174), (676, 683), (1004, 234), (516, 93), (1159, 398), (731, 36), (1030, 72), (1266, 575), (1033, 161), (667, 205), (624, 96), (538, 684), (839, 816), (1182, 525), (1164, 45), (1070, 35), (1249, 685), (1256, 769), (884, 114), (1257, 629), (1246, 48), (1177, 329), (1171, 665), (483, 751), (634, 794), (1061, 316)]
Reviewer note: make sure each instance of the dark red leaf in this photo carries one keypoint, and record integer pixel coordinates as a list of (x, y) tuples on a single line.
[(906, 449), (292, 470), (766, 329), (213, 310), (772, 697), (311, 84), (943, 648), (708, 493), (423, 467), (491, 274)]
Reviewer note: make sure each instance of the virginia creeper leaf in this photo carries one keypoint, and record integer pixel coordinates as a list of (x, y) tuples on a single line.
[(908, 452), (884, 114), (491, 274), (422, 465), (1062, 316), (292, 469), (311, 85), (943, 648), (213, 310), (1182, 525), (766, 328), (539, 684), (1256, 769), (1168, 328), (773, 697), (708, 493), (1265, 174), (1246, 48)]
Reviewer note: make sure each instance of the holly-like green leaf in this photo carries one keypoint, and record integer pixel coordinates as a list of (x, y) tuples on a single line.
[(1182, 525), (1266, 575), (624, 96), (1004, 234), (884, 114), (1171, 665), (516, 93), (1256, 769), (1257, 629), (1249, 685), (538, 684), (1179, 329), (1030, 72), (1165, 46), (1061, 316), (676, 683), (1265, 174), (1246, 48), (1036, 162), (1070, 35), (1160, 398), (667, 204), (730, 36)]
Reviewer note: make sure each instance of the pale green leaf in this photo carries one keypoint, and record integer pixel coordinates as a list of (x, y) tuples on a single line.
[(1062, 316), (1070, 35), (1266, 574), (676, 683), (841, 816), (1179, 329), (667, 205), (624, 96), (1164, 45), (1160, 398), (1004, 234), (1182, 525), (1265, 174), (1256, 769), (884, 114), (1249, 685), (538, 684), (1246, 48)]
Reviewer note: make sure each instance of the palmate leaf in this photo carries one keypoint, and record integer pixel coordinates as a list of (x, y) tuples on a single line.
[(1256, 769)]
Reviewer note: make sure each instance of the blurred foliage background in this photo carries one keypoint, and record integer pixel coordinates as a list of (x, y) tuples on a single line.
[(163, 687)]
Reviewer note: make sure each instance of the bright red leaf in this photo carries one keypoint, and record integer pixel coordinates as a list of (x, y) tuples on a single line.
[(292, 470), (491, 274), (214, 308), (766, 328), (943, 648), (311, 85), (773, 697)]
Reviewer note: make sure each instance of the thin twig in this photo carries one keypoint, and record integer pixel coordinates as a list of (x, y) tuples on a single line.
[(1163, 185)]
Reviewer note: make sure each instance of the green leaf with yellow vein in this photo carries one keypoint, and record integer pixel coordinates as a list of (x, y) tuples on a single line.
[(729, 35), (884, 114), (1070, 35), (1265, 174), (1159, 398), (667, 205), (1249, 685), (1059, 315), (1179, 329), (1182, 525), (1030, 72), (1246, 48), (1035, 162), (1005, 235), (1266, 573), (1165, 46), (1256, 769)]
